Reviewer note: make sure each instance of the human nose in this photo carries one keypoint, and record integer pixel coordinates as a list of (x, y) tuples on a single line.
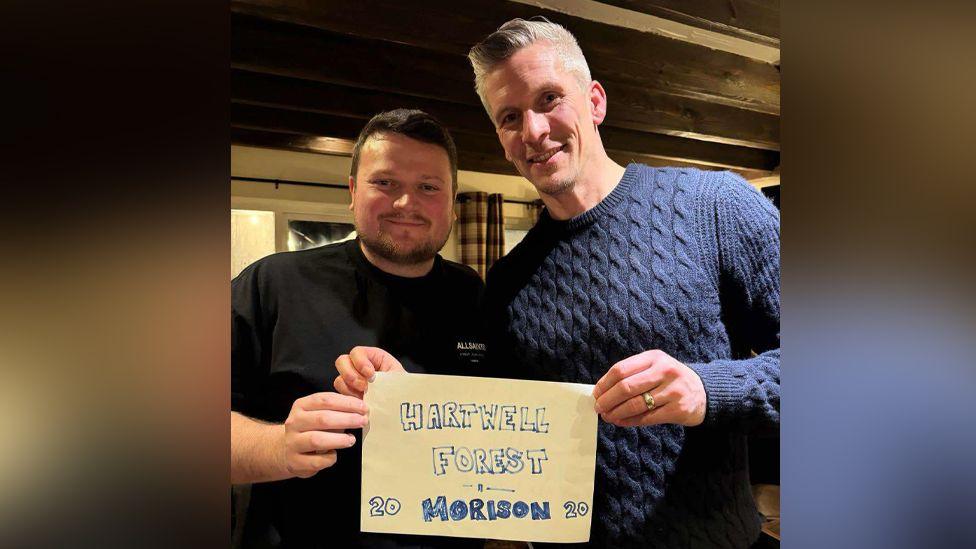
[(403, 201), (535, 127)]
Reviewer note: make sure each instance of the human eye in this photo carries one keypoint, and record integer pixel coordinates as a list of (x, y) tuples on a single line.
[(550, 98), (381, 183), (507, 119), (430, 188)]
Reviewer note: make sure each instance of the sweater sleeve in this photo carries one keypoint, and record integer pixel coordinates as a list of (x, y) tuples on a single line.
[(745, 392)]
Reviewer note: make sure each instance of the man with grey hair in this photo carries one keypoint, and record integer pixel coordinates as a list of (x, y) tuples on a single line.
[(658, 285)]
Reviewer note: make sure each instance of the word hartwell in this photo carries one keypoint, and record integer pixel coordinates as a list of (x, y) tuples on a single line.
[(459, 415)]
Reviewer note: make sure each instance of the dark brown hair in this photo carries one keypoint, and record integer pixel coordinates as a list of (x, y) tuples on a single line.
[(411, 123)]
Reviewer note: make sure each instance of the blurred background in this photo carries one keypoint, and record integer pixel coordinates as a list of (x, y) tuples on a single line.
[(114, 356)]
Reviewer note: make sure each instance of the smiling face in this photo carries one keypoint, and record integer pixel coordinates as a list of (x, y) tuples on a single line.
[(546, 123), (402, 200)]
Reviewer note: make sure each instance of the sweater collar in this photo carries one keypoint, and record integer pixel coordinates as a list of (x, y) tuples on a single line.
[(608, 204)]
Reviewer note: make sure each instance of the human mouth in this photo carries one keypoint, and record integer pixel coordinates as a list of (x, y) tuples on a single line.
[(543, 158), (405, 221)]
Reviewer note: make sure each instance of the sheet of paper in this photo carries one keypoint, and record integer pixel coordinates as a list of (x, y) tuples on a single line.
[(478, 457)]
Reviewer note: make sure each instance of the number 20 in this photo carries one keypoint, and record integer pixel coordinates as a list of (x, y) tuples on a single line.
[(379, 506), (576, 509)]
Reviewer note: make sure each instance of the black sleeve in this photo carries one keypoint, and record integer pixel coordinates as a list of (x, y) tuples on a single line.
[(247, 329), (501, 360)]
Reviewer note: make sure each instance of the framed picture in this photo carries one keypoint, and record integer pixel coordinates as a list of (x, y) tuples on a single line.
[(304, 234), (304, 231)]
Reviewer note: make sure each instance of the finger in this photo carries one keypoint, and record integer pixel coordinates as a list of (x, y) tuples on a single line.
[(635, 406), (624, 369), (332, 401), (340, 385), (373, 359), (362, 362), (388, 362), (627, 388), (659, 415), (320, 442), (351, 373), (326, 420), (306, 465)]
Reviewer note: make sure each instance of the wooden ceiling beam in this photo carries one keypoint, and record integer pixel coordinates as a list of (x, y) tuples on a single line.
[(642, 59), (318, 97), (467, 160), (346, 123), (332, 59), (753, 20)]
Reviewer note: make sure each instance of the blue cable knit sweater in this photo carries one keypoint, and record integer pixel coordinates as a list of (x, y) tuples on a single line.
[(681, 260)]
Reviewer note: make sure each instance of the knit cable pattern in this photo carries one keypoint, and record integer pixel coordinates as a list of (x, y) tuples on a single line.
[(643, 270)]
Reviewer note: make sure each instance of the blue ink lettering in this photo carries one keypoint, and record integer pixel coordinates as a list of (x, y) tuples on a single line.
[(450, 415), (434, 417), (440, 462), (540, 513), (520, 509), (411, 416), (540, 420), (376, 506), (498, 460), (466, 411), (504, 509), (458, 510), (515, 463), (508, 418), (439, 509), (481, 464), (476, 505), (525, 425), (536, 459), (489, 420), (462, 459)]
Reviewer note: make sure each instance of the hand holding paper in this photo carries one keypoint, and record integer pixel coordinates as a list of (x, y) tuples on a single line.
[(357, 369), (477, 457), (678, 392), (315, 429)]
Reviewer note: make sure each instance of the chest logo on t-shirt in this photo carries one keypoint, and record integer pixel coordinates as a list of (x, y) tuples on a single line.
[(471, 351)]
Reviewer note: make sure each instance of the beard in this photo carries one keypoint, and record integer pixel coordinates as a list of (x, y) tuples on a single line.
[(554, 187), (554, 184), (384, 245)]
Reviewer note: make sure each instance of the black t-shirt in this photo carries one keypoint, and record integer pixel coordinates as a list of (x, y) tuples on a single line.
[(292, 315)]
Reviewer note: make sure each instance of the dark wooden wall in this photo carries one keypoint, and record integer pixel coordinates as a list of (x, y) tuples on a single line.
[(306, 75)]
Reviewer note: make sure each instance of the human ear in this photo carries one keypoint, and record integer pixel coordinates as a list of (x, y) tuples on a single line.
[(598, 102), (352, 192)]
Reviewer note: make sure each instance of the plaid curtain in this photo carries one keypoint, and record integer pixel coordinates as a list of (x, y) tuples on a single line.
[(495, 244), (472, 226), (481, 229)]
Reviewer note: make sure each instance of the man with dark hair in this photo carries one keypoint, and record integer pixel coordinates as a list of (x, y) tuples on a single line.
[(294, 316), (660, 286)]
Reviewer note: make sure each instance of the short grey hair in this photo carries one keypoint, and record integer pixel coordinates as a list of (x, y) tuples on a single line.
[(517, 34)]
